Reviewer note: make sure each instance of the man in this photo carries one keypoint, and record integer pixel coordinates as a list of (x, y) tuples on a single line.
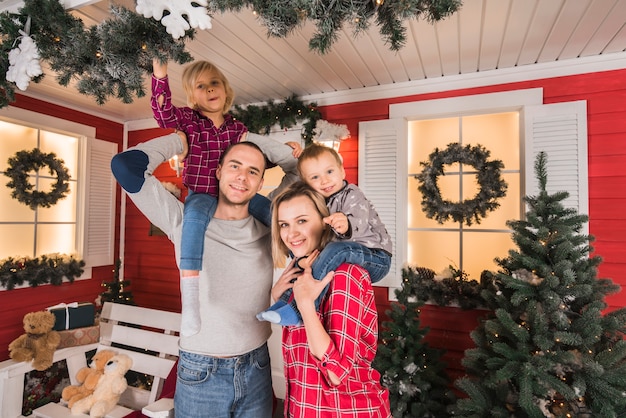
[(223, 370)]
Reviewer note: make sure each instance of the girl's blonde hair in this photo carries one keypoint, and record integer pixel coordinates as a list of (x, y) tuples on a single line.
[(191, 74), (297, 189)]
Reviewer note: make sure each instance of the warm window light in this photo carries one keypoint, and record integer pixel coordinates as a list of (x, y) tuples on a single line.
[(330, 134), (176, 165)]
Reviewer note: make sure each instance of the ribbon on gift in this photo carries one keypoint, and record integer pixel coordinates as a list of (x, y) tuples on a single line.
[(67, 307)]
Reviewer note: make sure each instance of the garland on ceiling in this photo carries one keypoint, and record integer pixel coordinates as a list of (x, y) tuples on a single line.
[(286, 114), (112, 59), (50, 268), (22, 163), (492, 187)]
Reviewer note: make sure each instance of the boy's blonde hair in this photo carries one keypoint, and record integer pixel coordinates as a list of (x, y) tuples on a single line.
[(297, 189), (314, 151), (191, 74)]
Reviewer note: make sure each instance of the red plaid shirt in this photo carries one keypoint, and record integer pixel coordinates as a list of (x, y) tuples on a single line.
[(349, 315), (206, 141)]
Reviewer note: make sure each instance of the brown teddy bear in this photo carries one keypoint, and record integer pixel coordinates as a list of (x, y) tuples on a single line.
[(108, 391), (39, 342), (88, 378)]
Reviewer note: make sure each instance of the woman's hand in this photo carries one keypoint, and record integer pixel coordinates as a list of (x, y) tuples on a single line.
[(306, 289), (285, 281)]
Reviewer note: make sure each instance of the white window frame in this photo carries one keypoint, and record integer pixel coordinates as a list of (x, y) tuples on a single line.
[(95, 222), (383, 174)]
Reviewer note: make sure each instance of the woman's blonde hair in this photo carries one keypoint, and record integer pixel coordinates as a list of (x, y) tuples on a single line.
[(191, 74), (297, 189)]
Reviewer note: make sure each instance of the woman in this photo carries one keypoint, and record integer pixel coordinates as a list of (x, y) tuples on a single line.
[(328, 359)]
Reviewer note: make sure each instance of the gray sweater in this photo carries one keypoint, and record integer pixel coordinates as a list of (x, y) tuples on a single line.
[(237, 272)]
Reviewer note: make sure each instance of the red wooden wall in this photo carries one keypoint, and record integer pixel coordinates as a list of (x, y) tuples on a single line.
[(149, 260)]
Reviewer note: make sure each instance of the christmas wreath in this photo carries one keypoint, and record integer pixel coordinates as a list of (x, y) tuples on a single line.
[(24, 162), (492, 187)]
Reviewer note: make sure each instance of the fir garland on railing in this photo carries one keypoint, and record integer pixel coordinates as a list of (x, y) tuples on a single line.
[(450, 287), (49, 268), (260, 119)]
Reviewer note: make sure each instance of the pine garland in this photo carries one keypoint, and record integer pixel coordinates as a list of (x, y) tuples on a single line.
[(50, 268), (113, 58), (260, 119)]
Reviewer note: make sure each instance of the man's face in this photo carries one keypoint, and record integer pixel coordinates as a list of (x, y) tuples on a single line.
[(241, 174)]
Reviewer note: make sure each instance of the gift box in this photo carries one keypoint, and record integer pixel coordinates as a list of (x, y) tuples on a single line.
[(73, 315), (79, 336)]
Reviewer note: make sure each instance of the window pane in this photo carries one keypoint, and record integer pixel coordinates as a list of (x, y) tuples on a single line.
[(17, 240), (499, 133), (64, 210), (481, 248), (56, 239), (64, 147), (426, 135), (11, 210), (509, 206), (15, 138), (433, 249)]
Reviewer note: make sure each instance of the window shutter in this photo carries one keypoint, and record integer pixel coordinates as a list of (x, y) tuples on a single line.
[(382, 178), (99, 204), (560, 130)]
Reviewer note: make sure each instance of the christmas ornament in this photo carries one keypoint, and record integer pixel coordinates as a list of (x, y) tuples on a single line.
[(175, 22), (24, 60), (24, 162), (492, 187)]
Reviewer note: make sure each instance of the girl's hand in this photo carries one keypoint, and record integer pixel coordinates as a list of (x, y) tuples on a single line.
[(285, 281), (296, 147), (306, 289)]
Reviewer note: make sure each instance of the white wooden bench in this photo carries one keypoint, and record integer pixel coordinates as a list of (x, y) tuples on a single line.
[(148, 336)]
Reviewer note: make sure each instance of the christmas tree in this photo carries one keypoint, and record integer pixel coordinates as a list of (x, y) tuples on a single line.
[(115, 290), (548, 351), (410, 368)]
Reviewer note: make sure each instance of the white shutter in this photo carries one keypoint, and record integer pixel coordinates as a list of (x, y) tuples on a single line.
[(382, 177), (99, 226), (560, 130)]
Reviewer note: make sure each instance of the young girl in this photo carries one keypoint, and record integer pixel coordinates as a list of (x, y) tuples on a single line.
[(209, 129), (328, 359), (360, 237)]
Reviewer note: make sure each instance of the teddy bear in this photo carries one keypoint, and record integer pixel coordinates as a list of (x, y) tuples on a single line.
[(88, 378), (108, 390), (39, 341)]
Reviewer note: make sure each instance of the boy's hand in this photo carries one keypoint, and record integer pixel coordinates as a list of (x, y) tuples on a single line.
[(338, 221), (296, 147)]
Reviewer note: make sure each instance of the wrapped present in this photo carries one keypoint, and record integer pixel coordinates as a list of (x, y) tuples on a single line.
[(79, 336), (73, 315)]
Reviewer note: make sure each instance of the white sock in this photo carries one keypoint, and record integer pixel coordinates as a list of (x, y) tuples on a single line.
[(190, 301)]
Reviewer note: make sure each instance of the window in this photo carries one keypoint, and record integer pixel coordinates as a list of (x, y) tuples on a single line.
[(43, 230), (83, 222), (390, 151), (470, 248)]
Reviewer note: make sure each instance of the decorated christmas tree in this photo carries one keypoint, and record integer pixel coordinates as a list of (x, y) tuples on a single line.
[(116, 291), (410, 368), (548, 350)]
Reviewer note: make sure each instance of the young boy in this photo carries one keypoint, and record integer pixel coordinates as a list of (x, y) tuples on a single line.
[(360, 236)]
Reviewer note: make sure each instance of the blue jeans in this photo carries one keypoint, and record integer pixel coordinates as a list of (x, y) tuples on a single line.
[(198, 211), (234, 387)]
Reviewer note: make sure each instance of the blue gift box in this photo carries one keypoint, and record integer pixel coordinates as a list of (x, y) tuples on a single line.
[(73, 315)]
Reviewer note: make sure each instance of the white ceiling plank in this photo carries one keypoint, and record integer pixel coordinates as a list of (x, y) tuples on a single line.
[(470, 22), (410, 55), (369, 54), (596, 14), (543, 19), (518, 23), (610, 27), (448, 42), (570, 15), (427, 47), (494, 25)]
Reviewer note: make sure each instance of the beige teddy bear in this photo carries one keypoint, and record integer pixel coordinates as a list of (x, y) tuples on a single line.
[(88, 378), (39, 341), (108, 390)]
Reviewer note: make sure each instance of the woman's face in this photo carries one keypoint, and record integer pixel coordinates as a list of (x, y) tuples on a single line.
[(300, 225)]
